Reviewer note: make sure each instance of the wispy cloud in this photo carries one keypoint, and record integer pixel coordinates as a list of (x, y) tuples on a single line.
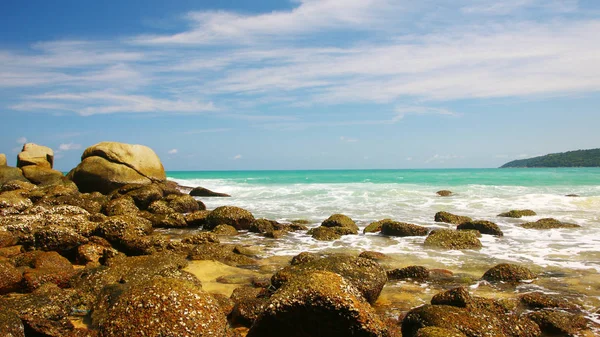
[(69, 147), (237, 157), (348, 139), (437, 158), (21, 140), (223, 60), (173, 151)]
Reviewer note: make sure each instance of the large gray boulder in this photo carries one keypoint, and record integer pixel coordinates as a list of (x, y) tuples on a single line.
[(33, 154), (107, 166)]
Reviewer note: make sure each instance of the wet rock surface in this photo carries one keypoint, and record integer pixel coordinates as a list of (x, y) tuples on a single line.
[(506, 272), (482, 226), (452, 239)]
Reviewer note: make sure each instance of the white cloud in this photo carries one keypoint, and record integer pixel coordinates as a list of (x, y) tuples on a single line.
[(21, 140), (409, 158), (442, 158), (173, 151), (236, 157), (348, 140), (105, 102), (69, 147)]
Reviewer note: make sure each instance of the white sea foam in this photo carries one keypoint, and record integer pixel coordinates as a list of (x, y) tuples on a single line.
[(366, 202)]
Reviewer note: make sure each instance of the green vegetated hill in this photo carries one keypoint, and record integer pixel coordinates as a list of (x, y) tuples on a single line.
[(579, 158)]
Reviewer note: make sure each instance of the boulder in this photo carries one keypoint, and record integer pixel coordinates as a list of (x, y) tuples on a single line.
[(548, 223), (45, 311), (197, 218), (164, 307), (48, 267), (324, 234), (118, 228), (221, 253), (204, 192), (559, 323), (402, 229), (145, 195), (517, 213), (58, 238), (482, 226), (262, 226), (304, 257), (225, 230), (14, 185), (107, 166), (237, 217), (371, 255), (340, 221), (318, 303), (10, 277), (14, 199), (417, 273), (451, 218), (376, 226), (364, 274), (33, 154), (506, 272), (121, 206), (204, 237), (8, 173), (160, 207), (41, 175), (10, 323), (452, 239), (2, 159), (249, 304), (444, 193), (184, 203), (539, 300), (471, 322)]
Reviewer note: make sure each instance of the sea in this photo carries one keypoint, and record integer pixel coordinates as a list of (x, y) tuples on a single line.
[(567, 259)]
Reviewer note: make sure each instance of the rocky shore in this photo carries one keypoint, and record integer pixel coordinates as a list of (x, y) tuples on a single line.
[(91, 254)]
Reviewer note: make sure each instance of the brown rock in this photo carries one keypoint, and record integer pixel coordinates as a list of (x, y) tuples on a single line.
[(506, 272), (10, 323), (197, 218), (318, 303), (444, 193), (10, 277), (482, 226), (249, 304), (121, 206), (559, 322), (548, 223), (41, 175), (204, 192), (8, 173), (324, 233), (33, 154), (2, 159), (164, 307), (375, 256), (237, 217), (417, 273), (184, 203), (225, 230), (451, 218), (107, 166), (204, 237), (48, 267), (451, 239), (402, 229)]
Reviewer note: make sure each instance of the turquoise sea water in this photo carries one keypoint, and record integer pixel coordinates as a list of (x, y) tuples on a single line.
[(439, 177)]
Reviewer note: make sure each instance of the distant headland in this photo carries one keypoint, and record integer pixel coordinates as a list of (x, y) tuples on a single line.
[(579, 158)]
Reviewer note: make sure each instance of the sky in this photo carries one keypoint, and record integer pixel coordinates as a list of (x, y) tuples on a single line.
[(302, 84)]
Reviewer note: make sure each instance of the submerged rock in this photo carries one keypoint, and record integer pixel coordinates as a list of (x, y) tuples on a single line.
[(452, 239), (225, 230), (204, 192), (482, 226), (341, 221), (559, 322), (402, 229), (507, 272), (444, 193), (318, 303), (366, 275), (539, 300), (324, 233), (418, 273), (237, 217), (376, 226), (548, 223), (518, 213), (451, 218)]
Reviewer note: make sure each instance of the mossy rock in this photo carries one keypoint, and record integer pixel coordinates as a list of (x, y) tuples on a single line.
[(225, 230), (471, 322), (184, 203), (402, 229), (417, 273), (237, 217), (318, 303), (10, 323), (164, 307), (444, 193), (517, 213), (262, 226), (539, 300), (197, 218), (451, 218), (222, 253), (366, 275), (452, 239), (371, 255), (8, 174), (340, 220), (434, 331), (548, 223), (506, 272), (204, 237), (249, 303), (562, 323), (121, 206), (304, 257), (324, 233), (482, 226), (10, 277), (375, 227)]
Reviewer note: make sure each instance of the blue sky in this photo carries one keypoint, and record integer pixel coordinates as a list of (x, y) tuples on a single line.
[(302, 84)]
